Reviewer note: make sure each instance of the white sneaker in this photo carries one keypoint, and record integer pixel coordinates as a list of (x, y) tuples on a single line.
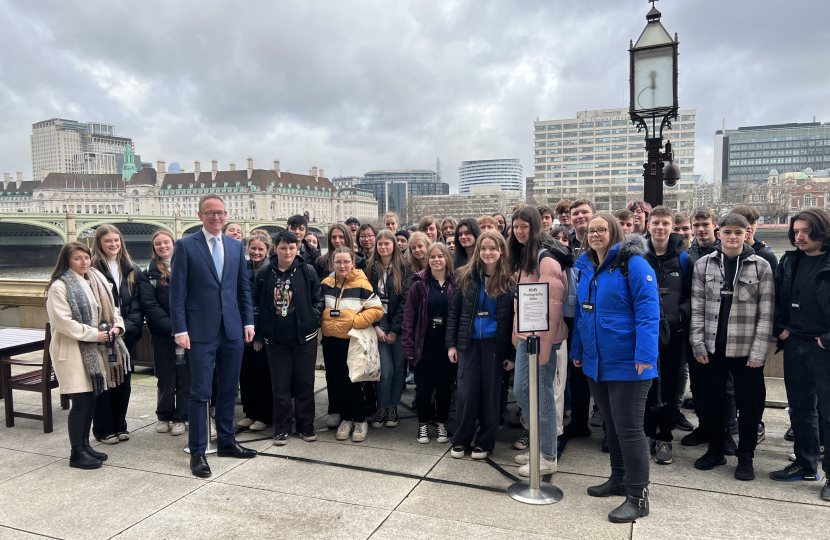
[(213, 412), (212, 428), (344, 430), (443, 435), (361, 429), (545, 467), (245, 422), (522, 459), (259, 426), (333, 421), (163, 426), (178, 428)]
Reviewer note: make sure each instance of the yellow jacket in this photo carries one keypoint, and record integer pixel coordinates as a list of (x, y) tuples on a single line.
[(347, 297)]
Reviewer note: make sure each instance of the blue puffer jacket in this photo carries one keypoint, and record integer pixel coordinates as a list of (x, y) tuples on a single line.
[(624, 327)]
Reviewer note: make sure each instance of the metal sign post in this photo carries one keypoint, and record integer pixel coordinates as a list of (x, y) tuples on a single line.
[(532, 317), (211, 442)]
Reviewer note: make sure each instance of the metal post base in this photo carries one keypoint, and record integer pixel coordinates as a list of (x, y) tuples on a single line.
[(546, 494)]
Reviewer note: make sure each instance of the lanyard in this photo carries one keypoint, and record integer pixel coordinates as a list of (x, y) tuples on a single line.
[(337, 302)]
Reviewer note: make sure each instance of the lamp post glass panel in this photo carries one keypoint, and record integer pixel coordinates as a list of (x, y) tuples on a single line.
[(653, 80)]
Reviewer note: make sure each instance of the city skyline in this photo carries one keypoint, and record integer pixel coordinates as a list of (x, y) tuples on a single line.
[(387, 88)]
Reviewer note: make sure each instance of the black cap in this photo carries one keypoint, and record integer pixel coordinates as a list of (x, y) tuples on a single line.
[(352, 220), (403, 232)]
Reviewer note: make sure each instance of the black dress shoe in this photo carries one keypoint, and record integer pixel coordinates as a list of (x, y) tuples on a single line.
[(94, 453), (611, 487), (80, 459), (235, 450), (573, 432), (634, 507), (199, 466)]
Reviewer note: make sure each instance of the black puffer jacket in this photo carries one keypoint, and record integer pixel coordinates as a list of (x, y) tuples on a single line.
[(309, 253), (396, 302), (126, 299), (155, 301), (673, 281), (307, 300), (762, 251), (461, 318)]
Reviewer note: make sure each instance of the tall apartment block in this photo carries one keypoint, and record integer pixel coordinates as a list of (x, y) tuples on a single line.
[(68, 146), (599, 155)]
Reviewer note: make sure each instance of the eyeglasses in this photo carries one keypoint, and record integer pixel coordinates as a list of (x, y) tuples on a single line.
[(341, 263), (364, 237), (212, 214), (597, 232)]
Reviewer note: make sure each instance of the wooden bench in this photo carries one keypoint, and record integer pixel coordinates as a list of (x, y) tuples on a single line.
[(31, 381)]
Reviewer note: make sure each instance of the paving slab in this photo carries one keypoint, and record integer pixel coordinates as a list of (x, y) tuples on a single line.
[(13, 534), (403, 526), (728, 517), (15, 463), (59, 501), (321, 481), (233, 512)]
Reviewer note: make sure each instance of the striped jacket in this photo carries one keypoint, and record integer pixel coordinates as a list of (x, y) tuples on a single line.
[(347, 297), (749, 332)]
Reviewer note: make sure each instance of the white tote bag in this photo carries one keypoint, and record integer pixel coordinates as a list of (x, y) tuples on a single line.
[(364, 356)]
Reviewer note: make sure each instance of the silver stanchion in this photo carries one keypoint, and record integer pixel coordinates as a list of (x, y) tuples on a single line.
[(534, 491), (211, 441)]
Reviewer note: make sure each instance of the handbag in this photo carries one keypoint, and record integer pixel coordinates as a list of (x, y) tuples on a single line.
[(364, 357)]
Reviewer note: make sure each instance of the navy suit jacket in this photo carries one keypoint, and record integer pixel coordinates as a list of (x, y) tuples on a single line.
[(199, 302)]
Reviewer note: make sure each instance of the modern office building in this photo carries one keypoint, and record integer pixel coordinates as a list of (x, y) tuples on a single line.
[(346, 181), (599, 155), (68, 146), (482, 200), (418, 182), (505, 173), (745, 156)]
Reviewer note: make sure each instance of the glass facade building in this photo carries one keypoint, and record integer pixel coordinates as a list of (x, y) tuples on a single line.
[(418, 182), (749, 153)]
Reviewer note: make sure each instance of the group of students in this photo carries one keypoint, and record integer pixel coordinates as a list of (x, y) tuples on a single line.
[(636, 299)]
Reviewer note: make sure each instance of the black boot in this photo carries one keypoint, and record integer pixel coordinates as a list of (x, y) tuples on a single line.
[(93, 452), (80, 459), (635, 506), (745, 471), (612, 486)]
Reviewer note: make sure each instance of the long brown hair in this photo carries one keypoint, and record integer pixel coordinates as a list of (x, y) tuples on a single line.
[(415, 265), (447, 256), (374, 262), (615, 235), (62, 266), (524, 257), (500, 281), (326, 260), (162, 266), (99, 259)]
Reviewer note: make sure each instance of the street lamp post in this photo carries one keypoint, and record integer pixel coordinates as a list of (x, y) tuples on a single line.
[(653, 80)]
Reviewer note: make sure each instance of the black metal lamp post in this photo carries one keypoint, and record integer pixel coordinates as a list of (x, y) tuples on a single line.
[(653, 82)]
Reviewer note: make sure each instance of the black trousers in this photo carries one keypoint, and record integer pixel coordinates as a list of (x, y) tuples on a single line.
[(750, 394), (479, 387), (807, 379), (173, 382), (292, 374), (435, 373), (580, 390), (697, 384), (111, 409), (669, 366), (622, 404), (255, 385), (80, 417), (345, 397)]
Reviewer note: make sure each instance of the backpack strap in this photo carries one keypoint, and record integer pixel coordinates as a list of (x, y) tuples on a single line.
[(539, 260)]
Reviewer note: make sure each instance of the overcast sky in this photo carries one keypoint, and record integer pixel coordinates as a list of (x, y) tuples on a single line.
[(352, 86)]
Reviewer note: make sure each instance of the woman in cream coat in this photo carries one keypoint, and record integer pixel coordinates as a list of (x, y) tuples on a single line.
[(78, 302)]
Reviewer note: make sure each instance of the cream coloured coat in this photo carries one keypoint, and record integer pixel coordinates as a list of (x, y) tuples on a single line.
[(66, 333)]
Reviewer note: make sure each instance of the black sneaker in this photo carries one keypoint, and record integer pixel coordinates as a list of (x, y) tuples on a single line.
[(480, 453), (280, 439), (380, 418), (457, 451), (523, 442), (663, 455), (794, 471), (789, 435), (825, 491), (423, 434), (596, 419), (729, 446), (709, 461), (762, 433), (682, 423), (695, 438), (392, 417), (745, 471)]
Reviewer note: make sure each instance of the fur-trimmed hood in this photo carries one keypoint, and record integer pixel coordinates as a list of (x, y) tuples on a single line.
[(634, 244)]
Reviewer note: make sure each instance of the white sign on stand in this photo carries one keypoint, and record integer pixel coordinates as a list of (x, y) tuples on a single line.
[(533, 308)]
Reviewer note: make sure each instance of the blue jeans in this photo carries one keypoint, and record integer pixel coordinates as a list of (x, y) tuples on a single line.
[(390, 386), (547, 403)]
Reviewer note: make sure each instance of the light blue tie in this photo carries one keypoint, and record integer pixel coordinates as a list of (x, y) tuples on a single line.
[(217, 257)]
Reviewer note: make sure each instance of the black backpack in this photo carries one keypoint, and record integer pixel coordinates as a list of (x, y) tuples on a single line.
[(665, 331)]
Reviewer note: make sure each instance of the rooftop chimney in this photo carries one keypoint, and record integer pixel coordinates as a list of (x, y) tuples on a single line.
[(19, 179), (313, 172), (233, 166), (6, 179), (198, 169), (277, 168), (160, 167), (321, 175), (160, 173), (214, 168), (250, 167)]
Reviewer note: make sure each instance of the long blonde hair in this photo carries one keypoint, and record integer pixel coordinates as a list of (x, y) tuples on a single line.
[(162, 266), (415, 265), (374, 262), (502, 278), (99, 260)]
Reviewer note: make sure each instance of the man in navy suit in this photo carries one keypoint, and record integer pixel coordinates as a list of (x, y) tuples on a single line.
[(211, 311)]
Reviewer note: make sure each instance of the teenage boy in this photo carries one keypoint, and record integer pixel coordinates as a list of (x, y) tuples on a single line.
[(626, 220), (752, 215), (563, 212), (581, 213), (733, 302), (289, 301), (488, 223), (546, 214), (641, 210), (683, 227), (670, 264), (298, 225), (802, 325)]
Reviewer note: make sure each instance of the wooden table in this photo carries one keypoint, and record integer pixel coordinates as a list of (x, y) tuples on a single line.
[(16, 341)]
